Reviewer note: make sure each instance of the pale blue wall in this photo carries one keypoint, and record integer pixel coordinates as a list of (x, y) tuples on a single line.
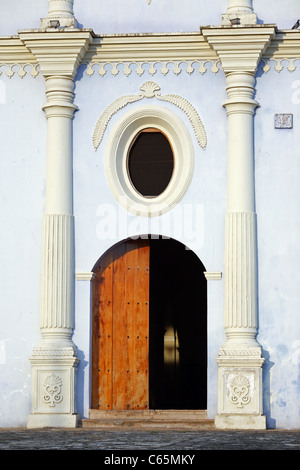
[(22, 187), (136, 16), (277, 163)]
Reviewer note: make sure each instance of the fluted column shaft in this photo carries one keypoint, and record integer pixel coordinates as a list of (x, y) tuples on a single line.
[(241, 256), (58, 263)]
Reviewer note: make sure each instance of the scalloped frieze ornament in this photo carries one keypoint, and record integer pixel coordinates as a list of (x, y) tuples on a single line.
[(164, 67), (150, 90), (22, 69)]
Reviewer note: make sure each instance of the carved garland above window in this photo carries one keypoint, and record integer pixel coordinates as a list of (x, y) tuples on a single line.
[(150, 90)]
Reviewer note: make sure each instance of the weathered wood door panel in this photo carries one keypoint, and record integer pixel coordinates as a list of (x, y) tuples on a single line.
[(121, 329)]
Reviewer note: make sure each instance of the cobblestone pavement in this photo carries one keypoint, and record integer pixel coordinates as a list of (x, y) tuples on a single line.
[(162, 441)]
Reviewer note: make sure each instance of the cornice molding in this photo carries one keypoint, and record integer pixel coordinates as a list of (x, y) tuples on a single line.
[(57, 52), (239, 48), (114, 54)]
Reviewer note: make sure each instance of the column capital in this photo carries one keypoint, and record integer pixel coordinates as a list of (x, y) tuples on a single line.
[(239, 47), (58, 52)]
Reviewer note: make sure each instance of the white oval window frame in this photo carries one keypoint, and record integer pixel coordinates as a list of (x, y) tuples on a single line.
[(119, 141)]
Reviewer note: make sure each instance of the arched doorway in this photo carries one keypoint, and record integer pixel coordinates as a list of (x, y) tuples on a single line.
[(149, 327)]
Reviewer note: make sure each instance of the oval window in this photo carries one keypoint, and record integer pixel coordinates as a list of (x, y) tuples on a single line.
[(150, 162)]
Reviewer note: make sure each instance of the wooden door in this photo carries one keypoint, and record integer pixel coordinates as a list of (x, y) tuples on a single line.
[(121, 329)]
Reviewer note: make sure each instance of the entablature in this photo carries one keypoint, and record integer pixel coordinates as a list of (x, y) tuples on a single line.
[(158, 50)]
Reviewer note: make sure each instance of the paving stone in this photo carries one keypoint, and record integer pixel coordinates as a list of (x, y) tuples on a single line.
[(93, 439)]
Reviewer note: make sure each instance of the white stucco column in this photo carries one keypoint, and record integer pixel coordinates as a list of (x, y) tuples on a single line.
[(240, 359), (239, 12), (60, 15), (241, 257), (54, 360)]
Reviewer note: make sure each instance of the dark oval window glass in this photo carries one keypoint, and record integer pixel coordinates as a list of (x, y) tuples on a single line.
[(150, 162)]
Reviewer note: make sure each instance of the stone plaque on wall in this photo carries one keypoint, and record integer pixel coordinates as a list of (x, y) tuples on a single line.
[(283, 121)]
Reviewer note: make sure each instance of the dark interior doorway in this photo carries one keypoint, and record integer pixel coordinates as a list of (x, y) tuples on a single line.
[(178, 327)]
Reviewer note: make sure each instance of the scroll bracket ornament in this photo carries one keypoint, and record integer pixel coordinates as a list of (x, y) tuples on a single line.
[(240, 388), (52, 388), (150, 90)]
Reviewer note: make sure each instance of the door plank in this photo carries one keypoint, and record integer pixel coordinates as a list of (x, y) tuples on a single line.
[(105, 334), (121, 329), (119, 324), (142, 328)]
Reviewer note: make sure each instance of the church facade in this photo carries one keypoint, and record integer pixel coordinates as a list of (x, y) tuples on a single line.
[(150, 219)]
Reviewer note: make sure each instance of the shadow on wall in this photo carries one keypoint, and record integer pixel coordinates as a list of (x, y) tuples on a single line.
[(271, 422), (80, 398)]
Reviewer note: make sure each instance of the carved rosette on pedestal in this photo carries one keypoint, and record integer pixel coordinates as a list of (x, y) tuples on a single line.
[(53, 377)]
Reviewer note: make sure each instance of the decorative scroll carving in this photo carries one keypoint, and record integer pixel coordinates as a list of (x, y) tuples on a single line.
[(239, 388), (150, 90), (52, 387)]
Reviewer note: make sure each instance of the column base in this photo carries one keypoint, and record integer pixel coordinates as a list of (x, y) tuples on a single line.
[(58, 22), (54, 368), (40, 420), (240, 389), (228, 19), (240, 422)]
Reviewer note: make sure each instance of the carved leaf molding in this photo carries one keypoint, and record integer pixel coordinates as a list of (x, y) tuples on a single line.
[(150, 90), (191, 113), (104, 119)]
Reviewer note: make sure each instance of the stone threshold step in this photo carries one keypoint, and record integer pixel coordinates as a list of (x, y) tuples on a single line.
[(153, 415), (147, 425), (148, 419)]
